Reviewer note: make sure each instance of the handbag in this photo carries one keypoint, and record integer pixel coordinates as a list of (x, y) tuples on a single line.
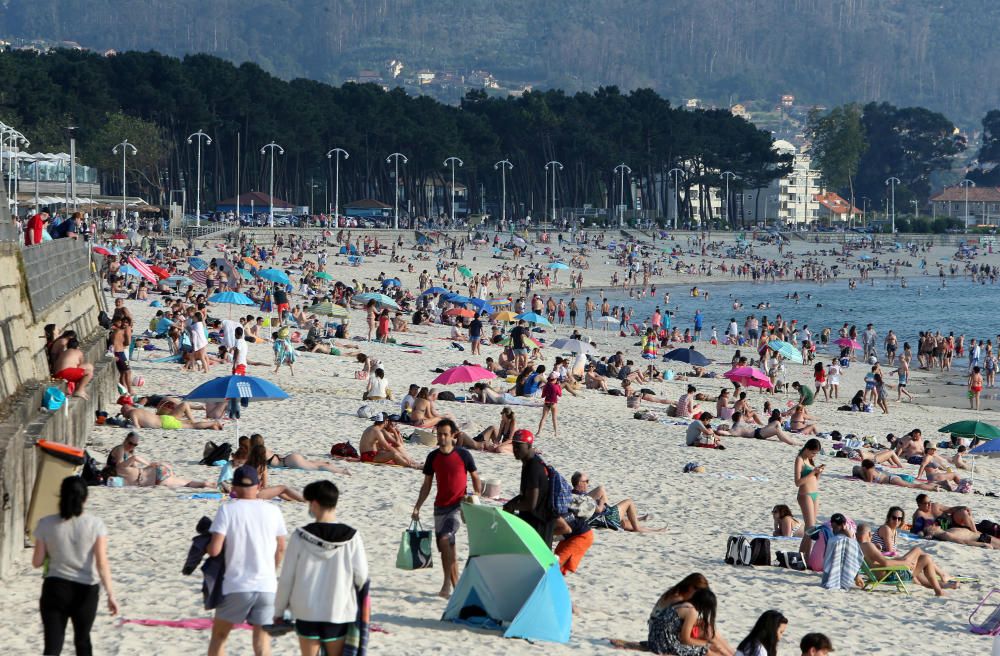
[(415, 550)]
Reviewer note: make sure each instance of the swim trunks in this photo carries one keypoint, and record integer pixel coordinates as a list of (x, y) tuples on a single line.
[(121, 362), (71, 374), (368, 456), (169, 422)]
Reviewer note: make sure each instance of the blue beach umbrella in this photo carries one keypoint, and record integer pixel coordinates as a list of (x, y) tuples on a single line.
[(457, 298), (480, 305), (129, 270), (434, 290), (275, 275), (225, 388), (392, 282), (173, 281), (533, 317), (232, 298), (786, 350), (246, 275), (197, 263), (688, 355), (558, 266)]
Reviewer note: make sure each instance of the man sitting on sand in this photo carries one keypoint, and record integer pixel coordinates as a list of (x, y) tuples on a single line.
[(686, 407), (380, 446), (71, 367), (593, 380), (911, 447), (623, 514), (143, 418), (700, 433)]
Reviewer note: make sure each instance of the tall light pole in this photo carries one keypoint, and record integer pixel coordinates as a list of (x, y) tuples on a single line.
[(503, 165), (864, 211), (270, 196), (891, 183), (395, 180), (452, 160), (555, 165), (916, 208), (199, 135), (967, 183), (678, 174), (727, 176), (621, 205), (72, 166), (125, 146), (336, 185), (17, 136)]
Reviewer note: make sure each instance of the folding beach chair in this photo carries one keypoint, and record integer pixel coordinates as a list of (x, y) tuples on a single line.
[(895, 576), (991, 625)]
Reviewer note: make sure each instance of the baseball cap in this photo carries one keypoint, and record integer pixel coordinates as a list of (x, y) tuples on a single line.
[(125, 399), (524, 436), (379, 418), (245, 476)]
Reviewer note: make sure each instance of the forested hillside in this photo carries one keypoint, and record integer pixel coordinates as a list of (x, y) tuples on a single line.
[(939, 54)]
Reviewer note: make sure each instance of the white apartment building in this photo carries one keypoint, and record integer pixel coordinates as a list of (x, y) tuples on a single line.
[(797, 203)]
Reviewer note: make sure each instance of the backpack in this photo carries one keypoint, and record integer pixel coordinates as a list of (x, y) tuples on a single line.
[(343, 450), (560, 492), (213, 453), (103, 320), (760, 551), (738, 551), (91, 472)]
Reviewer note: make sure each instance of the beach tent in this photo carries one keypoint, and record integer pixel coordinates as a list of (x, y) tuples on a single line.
[(423, 238), (511, 581), (353, 250)]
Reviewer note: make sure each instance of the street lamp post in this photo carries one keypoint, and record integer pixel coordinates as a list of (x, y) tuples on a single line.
[(554, 164), (336, 185), (199, 135), (72, 167), (17, 165), (967, 183), (270, 196), (891, 183), (452, 161), (677, 173), (503, 165), (395, 180), (621, 205), (916, 208), (727, 176), (125, 146)]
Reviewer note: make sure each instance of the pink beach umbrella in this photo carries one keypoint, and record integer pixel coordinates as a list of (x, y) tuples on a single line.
[(847, 341), (749, 377), (463, 374)]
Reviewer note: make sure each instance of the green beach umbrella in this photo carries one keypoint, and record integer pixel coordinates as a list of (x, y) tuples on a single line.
[(324, 275), (328, 309), (786, 350), (464, 270), (972, 428)]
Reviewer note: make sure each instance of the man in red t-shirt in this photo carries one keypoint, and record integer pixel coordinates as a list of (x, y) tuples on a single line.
[(34, 227), (451, 466)]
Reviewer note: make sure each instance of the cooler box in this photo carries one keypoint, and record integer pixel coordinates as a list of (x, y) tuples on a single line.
[(55, 462)]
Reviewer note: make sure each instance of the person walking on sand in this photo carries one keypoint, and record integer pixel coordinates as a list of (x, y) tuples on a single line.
[(975, 387), (551, 392), (324, 568), (73, 547), (252, 534), (450, 465)]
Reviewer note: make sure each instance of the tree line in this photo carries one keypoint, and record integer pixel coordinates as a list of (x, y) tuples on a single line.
[(156, 102)]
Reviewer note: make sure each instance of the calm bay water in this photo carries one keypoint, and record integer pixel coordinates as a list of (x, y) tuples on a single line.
[(961, 307)]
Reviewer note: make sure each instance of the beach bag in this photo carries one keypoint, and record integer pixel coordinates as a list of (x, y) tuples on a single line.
[(560, 492), (103, 320), (791, 560), (738, 551), (760, 551), (91, 472), (365, 412), (213, 453), (414, 548), (343, 450), (53, 398), (818, 552)]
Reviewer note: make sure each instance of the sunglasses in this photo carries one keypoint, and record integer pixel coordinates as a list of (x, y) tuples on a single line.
[(132, 443), (898, 518)]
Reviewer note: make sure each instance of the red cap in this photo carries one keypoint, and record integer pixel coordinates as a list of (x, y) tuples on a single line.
[(125, 399), (524, 436)]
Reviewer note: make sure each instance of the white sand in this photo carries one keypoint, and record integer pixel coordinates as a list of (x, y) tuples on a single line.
[(622, 575)]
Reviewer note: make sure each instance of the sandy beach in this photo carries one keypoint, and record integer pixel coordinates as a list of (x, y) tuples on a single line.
[(622, 575)]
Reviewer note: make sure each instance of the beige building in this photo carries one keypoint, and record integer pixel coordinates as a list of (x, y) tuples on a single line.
[(798, 191)]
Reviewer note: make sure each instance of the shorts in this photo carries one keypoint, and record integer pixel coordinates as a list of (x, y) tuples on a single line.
[(71, 374), (915, 460), (322, 631), (256, 608), (240, 370), (368, 456), (447, 521), (169, 422), (521, 351), (121, 362), (571, 551), (282, 307)]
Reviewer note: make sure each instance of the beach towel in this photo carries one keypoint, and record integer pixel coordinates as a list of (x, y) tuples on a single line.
[(356, 641), (194, 623), (842, 563)]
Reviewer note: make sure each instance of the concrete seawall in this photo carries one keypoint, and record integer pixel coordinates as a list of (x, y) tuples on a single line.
[(70, 302)]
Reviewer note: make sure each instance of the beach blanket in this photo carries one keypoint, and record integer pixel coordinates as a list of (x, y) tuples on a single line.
[(356, 641), (194, 623), (842, 563), (169, 358)]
